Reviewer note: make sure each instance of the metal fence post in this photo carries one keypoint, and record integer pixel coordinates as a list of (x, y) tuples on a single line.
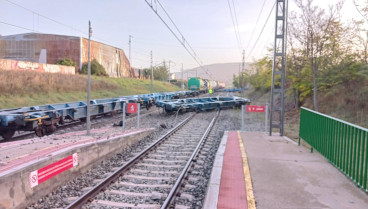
[(242, 118), (266, 118), (139, 112), (123, 122)]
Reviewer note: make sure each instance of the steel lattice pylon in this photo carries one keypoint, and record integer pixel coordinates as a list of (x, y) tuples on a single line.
[(278, 69)]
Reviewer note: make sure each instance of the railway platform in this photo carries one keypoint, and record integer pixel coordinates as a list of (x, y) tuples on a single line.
[(254, 170), (32, 168)]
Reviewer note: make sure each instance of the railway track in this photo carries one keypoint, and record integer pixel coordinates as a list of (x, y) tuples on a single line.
[(79, 125), (154, 177)]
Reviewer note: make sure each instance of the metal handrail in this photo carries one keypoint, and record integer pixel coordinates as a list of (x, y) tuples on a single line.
[(342, 143)]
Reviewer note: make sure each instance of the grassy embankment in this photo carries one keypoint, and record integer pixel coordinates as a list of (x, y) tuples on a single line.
[(345, 102), (27, 88)]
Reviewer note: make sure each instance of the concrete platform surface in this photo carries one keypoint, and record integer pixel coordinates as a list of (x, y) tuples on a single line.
[(286, 175), (54, 165), (232, 187), (228, 186)]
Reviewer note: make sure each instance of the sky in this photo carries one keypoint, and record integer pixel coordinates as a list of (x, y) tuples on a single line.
[(206, 25)]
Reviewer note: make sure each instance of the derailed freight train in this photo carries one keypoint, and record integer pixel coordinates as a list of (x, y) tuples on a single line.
[(45, 119), (204, 85)]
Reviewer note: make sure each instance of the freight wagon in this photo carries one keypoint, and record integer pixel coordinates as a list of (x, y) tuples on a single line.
[(45, 119)]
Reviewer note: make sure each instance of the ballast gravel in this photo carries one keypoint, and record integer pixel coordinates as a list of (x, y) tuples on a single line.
[(194, 192)]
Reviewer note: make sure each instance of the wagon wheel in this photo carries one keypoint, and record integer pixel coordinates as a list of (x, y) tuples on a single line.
[(8, 134), (39, 132), (148, 106)]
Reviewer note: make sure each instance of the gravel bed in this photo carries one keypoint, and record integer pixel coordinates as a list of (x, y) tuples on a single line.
[(76, 187), (194, 192), (158, 182)]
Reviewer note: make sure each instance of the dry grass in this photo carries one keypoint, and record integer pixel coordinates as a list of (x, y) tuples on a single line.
[(25, 82), (347, 102), (27, 88)]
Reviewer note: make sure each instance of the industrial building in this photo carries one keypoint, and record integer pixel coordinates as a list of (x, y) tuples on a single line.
[(49, 48)]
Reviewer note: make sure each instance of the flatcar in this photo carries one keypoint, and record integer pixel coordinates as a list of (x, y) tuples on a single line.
[(45, 119)]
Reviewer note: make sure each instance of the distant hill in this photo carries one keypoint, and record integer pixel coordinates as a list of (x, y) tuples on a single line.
[(221, 72)]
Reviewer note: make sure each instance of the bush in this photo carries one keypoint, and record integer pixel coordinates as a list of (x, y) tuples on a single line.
[(96, 69), (66, 62)]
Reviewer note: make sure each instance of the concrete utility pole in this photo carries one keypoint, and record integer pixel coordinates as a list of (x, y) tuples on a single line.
[(169, 71), (151, 73), (243, 69), (130, 51), (89, 80), (239, 77), (182, 76)]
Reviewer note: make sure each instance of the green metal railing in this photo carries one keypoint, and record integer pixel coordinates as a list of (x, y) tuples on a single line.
[(344, 144)]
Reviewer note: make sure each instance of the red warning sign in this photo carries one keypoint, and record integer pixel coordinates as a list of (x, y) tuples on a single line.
[(255, 108), (38, 176), (132, 108)]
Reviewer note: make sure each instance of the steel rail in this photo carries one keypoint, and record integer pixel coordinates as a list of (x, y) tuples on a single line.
[(174, 191), (88, 196)]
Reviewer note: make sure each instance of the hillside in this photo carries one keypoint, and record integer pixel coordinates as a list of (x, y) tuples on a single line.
[(345, 102), (27, 88), (222, 71)]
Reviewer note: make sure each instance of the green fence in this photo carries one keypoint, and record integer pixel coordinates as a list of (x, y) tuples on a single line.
[(345, 145)]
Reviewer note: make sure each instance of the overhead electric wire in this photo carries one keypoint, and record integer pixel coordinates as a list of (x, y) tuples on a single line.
[(58, 22), (255, 26), (236, 29), (237, 24), (55, 21), (167, 14), (356, 7), (271, 32), (183, 41), (264, 25), (17, 26)]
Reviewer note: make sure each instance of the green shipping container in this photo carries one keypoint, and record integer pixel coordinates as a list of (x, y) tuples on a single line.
[(195, 84)]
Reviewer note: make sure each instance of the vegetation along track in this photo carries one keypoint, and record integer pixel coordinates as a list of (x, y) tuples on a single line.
[(155, 172)]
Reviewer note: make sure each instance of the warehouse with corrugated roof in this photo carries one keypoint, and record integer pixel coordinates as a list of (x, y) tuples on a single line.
[(49, 48)]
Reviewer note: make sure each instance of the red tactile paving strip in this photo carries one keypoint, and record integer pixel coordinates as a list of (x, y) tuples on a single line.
[(232, 187), (50, 150)]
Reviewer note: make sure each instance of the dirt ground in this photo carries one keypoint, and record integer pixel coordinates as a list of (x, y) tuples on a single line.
[(292, 115)]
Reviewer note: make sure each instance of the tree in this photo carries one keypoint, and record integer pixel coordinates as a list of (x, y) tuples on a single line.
[(261, 80), (146, 73), (236, 81), (66, 62), (319, 34), (96, 68), (161, 72)]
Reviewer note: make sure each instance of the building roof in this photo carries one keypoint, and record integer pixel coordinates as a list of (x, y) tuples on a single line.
[(49, 34)]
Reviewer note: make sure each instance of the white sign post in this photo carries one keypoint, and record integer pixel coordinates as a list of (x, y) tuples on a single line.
[(255, 108), (139, 111), (242, 118), (123, 122)]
